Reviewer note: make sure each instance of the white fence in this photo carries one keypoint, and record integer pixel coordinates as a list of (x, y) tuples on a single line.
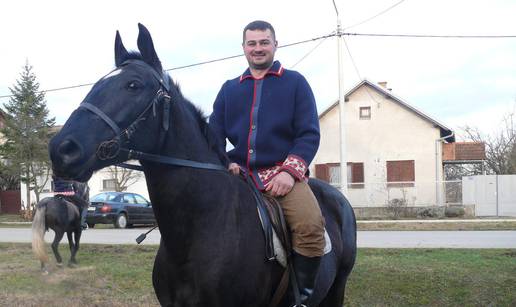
[(492, 195)]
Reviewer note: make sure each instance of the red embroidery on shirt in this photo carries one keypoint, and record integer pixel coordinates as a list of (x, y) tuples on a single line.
[(294, 165)]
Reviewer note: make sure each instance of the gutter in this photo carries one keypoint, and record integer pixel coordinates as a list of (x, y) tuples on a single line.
[(438, 167)]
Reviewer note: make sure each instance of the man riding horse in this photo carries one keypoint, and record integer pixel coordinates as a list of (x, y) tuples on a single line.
[(270, 116), (75, 192)]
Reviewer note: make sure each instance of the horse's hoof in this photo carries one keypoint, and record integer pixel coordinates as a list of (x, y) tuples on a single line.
[(72, 265), (44, 272), (59, 264)]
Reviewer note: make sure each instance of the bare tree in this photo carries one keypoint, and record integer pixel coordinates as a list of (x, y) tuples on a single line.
[(123, 177), (500, 148)]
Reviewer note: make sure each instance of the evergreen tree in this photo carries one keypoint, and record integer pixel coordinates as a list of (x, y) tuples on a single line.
[(27, 133)]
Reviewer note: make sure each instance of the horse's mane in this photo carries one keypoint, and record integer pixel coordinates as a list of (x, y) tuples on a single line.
[(202, 122), (197, 113)]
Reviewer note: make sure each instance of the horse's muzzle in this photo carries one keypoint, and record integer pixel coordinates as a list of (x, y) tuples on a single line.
[(66, 156)]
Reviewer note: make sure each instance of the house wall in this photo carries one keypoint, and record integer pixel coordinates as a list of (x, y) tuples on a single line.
[(393, 133)]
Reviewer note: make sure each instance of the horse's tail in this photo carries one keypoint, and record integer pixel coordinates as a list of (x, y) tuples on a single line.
[(38, 231)]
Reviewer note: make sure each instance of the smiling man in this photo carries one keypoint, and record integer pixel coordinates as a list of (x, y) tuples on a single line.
[(270, 116)]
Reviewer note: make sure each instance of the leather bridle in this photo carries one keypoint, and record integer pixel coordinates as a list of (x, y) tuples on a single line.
[(111, 149)]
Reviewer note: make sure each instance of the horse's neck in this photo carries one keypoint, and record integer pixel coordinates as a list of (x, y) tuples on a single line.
[(178, 193)]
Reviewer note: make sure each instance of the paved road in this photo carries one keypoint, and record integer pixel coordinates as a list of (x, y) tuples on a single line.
[(99, 236), (380, 239)]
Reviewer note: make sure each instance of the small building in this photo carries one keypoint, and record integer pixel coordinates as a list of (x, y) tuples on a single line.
[(394, 151)]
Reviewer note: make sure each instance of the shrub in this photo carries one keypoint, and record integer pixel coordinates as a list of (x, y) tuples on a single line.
[(428, 212), (397, 206), (454, 211)]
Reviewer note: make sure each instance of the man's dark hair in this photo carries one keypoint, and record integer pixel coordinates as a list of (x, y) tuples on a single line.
[(259, 25)]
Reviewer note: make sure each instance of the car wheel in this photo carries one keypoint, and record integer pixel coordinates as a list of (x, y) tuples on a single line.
[(121, 221), (90, 225)]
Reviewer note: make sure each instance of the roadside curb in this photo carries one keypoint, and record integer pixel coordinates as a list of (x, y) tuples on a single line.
[(435, 221)]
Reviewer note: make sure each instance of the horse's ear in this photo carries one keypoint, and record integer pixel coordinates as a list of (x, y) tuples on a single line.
[(146, 48), (120, 51)]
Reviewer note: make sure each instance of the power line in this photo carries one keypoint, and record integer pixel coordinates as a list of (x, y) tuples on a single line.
[(336, 10), (310, 52), (428, 36), (184, 66), (302, 42), (373, 17), (352, 60), (357, 72)]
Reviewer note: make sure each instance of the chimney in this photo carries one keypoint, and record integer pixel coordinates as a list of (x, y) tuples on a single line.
[(384, 85)]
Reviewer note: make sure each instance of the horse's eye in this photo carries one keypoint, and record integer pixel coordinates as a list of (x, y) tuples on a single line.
[(133, 85)]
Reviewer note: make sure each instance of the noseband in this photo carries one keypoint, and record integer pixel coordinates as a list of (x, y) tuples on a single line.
[(111, 149)]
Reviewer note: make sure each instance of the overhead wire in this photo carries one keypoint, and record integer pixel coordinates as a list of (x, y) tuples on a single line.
[(374, 16), (428, 35), (186, 66), (357, 71), (310, 52), (302, 42)]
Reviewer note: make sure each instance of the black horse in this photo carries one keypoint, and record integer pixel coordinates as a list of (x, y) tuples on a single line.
[(212, 250), (60, 214)]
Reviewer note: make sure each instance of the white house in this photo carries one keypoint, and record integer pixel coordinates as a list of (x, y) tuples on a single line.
[(393, 149)]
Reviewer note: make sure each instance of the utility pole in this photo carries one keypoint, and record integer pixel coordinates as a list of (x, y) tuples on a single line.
[(342, 111)]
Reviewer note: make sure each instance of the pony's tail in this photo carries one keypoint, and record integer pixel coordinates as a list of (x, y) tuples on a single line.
[(38, 231)]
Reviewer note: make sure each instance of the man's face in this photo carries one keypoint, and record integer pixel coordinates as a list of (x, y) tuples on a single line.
[(259, 48)]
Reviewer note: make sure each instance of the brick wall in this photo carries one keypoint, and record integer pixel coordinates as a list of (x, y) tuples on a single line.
[(464, 151)]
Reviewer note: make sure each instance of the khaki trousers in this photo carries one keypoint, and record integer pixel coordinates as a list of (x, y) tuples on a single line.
[(305, 220)]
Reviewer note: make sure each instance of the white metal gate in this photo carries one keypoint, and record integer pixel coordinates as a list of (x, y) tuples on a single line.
[(492, 195)]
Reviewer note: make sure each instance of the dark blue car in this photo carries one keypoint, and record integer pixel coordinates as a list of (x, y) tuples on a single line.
[(119, 208)]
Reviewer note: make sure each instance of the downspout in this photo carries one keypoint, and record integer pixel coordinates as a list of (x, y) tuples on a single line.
[(438, 167)]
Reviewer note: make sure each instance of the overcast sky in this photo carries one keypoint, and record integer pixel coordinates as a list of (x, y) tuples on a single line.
[(456, 81)]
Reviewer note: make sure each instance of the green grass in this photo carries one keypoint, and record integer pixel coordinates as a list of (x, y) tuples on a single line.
[(107, 275), (11, 218), (430, 226), (120, 275), (433, 277)]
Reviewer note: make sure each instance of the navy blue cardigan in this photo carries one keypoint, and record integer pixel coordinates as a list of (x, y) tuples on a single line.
[(267, 119)]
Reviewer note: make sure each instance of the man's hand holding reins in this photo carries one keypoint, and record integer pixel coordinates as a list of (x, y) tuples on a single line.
[(234, 168)]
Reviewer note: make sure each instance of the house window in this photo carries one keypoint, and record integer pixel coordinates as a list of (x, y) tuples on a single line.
[(109, 184), (400, 173), (365, 112), (355, 175), (330, 172)]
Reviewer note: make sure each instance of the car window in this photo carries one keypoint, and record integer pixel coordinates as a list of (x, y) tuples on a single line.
[(111, 197), (99, 197), (140, 199), (129, 199)]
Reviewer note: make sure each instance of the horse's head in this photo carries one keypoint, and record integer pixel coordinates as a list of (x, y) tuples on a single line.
[(114, 112)]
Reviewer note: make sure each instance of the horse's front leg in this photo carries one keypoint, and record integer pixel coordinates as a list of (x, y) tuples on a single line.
[(55, 246)]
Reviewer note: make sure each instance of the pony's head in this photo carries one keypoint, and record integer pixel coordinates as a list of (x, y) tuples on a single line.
[(115, 114)]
